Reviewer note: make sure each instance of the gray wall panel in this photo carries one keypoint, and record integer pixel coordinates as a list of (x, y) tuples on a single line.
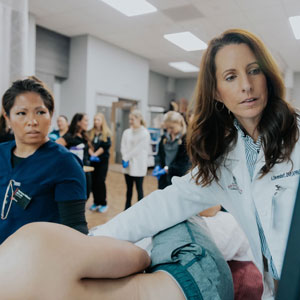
[(52, 52), (185, 88)]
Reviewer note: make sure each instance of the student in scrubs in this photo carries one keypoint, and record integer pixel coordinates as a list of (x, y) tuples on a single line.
[(172, 158), (77, 141), (100, 136), (39, 179), (244, 145), (77, 135), (62, 125)]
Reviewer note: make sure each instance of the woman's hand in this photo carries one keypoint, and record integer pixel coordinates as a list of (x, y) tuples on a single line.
[(61, 141), (210, 212)]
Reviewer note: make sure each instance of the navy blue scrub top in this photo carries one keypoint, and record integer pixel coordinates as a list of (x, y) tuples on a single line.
[(51, 174)]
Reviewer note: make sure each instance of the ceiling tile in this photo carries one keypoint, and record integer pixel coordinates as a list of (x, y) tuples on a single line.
[(165, 4), (143, 35)]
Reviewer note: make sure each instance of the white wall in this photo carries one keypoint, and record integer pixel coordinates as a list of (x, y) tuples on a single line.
[(296, 90), (184, 88), (73, 90), (14, 32), (157, 90), (31, 45), (114, 71), (158, 85)]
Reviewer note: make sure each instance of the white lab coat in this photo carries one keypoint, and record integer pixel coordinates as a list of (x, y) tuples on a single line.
[(273, 195), (135, 145)]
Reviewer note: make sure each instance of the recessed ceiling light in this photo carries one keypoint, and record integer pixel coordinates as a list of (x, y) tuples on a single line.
[(295, 23), (186, 40), (131, 8), (184, 66)]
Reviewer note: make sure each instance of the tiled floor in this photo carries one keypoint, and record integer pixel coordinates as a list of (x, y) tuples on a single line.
[(116, 193)]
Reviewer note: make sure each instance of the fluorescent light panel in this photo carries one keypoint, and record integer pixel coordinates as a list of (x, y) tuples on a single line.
[(184, 66), (186, 40), (131, 8), (295, 23)]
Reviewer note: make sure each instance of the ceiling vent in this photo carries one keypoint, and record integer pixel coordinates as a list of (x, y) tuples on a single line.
[(183, 13)]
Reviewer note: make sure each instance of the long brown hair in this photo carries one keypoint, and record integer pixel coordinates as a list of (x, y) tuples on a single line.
[(212, 134), (74, 128)]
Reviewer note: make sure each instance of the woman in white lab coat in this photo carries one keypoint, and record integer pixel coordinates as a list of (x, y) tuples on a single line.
[(135, 148), (244, 146)]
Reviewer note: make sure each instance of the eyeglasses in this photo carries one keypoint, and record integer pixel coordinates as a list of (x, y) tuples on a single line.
[(9, 191)]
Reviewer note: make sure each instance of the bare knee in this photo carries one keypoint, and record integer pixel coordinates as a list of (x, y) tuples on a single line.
[(41, 235), (19, 255), (31, 255), (30, 240), (39, 229)]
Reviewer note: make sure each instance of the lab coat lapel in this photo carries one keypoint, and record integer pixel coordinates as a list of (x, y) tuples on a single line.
[(248, 224), (260, 162), (236, 159)]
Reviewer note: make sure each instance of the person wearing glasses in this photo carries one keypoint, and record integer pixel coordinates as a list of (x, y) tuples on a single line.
[(39, 179)]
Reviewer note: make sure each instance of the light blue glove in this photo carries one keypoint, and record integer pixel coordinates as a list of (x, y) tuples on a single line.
[(53, 136), (158, 171), (125, 164), (155, 170), (161, 172), (94, 158)]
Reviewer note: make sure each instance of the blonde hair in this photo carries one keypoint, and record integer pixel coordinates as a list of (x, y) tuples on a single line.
[(175, 117), (137, 114), (106, 132)]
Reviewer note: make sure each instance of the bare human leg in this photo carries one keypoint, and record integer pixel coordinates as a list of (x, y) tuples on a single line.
[(44, 261)]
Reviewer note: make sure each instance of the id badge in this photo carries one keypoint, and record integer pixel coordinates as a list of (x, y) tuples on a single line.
[(21, 198)]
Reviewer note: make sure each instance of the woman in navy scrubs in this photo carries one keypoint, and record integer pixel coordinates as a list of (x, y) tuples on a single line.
[(39, 179)]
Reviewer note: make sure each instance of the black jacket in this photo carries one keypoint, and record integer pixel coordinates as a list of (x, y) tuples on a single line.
[(180, 164)]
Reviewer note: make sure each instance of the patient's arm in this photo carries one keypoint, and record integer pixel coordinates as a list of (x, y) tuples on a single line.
[(115, 259)]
